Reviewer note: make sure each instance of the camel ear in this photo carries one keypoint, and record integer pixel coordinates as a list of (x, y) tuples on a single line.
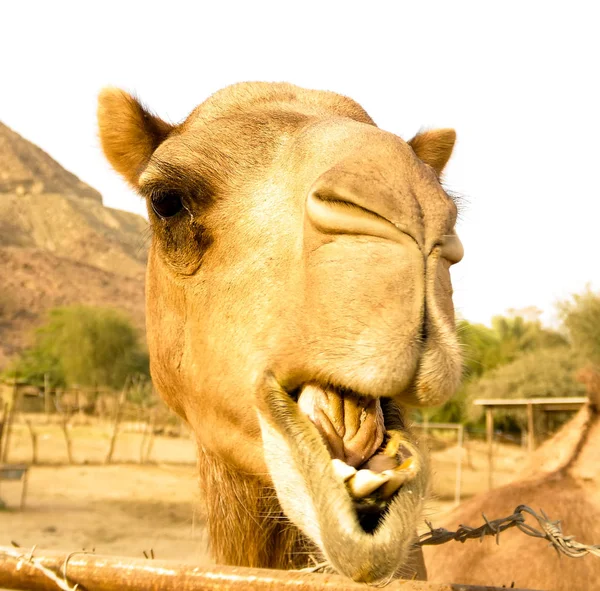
[(129, 134), (434, 147)]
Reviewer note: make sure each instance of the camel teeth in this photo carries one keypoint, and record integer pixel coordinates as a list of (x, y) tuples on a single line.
[(409, 466), (396, 438), (306, 403), (395, 481), (364, 482), (341, 470), (398, 476)]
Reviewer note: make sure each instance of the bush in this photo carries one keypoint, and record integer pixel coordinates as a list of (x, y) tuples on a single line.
[(541, 373), (581, 318), (485, 349), (83, 346)]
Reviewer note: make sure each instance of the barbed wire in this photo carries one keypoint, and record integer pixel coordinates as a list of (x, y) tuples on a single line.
[(550, 530)]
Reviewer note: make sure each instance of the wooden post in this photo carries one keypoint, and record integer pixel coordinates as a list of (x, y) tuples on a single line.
[(118, 414), (489, 425), (65, 428), (145, 434), (426, 425), (530, 429), (9, 423), (24, 489), (3, 421), (34, 443), (459, 451), (47, 406), (150, 442)]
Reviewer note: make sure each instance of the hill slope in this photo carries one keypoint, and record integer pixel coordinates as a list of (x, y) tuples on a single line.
[(59, 245), (25, 167)]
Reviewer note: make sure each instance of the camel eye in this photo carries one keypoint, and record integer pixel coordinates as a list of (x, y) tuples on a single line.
[(166, 204)]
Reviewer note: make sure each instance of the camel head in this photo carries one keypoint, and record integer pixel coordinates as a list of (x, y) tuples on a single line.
[(298, 300)]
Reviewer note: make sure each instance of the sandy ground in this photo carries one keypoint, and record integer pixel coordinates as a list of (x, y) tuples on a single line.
[(121, 510), (128, 508)]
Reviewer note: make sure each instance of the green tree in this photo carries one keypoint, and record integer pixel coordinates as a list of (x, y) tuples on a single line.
[(548, 372), (517, 335), (485, 349), (36, 362), (84, 346), (581, 319), (541, 373), (481, 348)]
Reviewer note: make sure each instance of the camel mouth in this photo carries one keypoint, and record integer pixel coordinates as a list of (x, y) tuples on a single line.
[(370, 454), (361, 517)]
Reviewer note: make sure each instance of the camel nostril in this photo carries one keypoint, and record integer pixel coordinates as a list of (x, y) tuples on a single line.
[(332, 214), (342, 202)]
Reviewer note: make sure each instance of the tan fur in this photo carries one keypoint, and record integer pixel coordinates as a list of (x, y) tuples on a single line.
[(259, 286), (129, 133), (563, 479), (242, 508)]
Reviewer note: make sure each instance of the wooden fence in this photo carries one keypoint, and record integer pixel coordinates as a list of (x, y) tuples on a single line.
[(531, 405), (49, 571), (40, 414)]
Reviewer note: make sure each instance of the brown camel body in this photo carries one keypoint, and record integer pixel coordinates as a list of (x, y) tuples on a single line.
[(298, 299), (563, 479)]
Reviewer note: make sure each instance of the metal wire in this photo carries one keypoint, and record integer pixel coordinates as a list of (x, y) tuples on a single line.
[(550, 530), (54, 574)]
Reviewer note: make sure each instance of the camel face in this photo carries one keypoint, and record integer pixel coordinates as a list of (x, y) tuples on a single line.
[(298, 296)]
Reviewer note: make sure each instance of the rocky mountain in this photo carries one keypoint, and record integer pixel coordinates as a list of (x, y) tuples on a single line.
[(26, 168), (59, 245)]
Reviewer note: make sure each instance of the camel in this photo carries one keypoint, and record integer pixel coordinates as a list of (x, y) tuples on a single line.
[(562, 479), (298, 301)]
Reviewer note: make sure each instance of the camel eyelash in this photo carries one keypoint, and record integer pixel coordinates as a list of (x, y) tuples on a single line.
[(458, 199)]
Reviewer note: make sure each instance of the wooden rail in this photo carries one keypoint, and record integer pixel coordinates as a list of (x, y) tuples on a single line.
[(93, 572), (546, 404)]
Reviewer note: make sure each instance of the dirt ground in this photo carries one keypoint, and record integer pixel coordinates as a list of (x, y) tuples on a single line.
[(119, 509), (127, 507)]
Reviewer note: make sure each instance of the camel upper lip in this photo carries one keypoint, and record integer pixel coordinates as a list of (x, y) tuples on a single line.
[(293, 385), (393, 411)]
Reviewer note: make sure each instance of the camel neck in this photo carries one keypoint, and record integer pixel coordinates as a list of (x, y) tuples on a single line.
[(245, 522)]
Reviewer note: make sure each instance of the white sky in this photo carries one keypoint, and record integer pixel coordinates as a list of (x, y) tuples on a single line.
[(519, 81)]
